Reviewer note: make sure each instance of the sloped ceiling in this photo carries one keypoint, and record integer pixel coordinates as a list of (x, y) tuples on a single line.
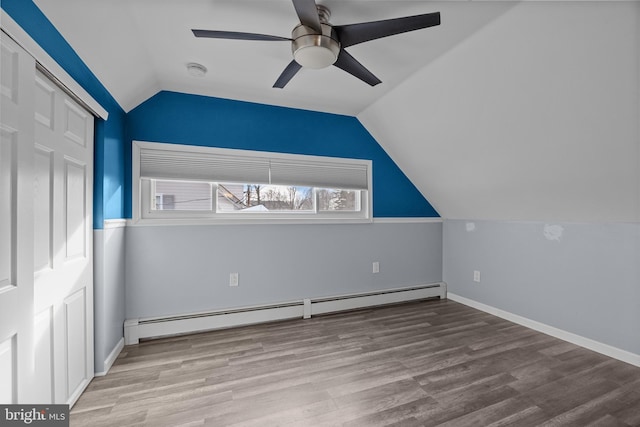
[(137, 48), (508, 110), (536, 117)]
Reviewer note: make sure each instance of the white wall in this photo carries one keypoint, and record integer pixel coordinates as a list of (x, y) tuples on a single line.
[(534, 117), (185, 269), (109, 290), (534, 121)]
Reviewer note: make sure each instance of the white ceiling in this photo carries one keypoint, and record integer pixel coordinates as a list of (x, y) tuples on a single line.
[(536, 117), (137, 48)]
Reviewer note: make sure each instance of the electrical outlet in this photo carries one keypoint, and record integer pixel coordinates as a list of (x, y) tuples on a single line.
[(476, 276), (376, 267), (233, 279)]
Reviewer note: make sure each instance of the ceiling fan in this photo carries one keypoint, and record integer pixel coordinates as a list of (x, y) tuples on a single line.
[(317, 44)]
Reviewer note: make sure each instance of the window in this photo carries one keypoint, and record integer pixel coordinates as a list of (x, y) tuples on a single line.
[(182, 195), (264, 198), (188, 183)]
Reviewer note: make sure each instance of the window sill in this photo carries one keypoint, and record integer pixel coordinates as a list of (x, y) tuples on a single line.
[(246, 221)]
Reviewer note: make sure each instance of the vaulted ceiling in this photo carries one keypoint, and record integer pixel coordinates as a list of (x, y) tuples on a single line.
[(139, 47), (507, 110), (535, 117)]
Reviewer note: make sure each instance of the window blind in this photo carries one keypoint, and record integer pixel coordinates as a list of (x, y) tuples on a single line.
[(173, 164), (352, 176), (167, 161)]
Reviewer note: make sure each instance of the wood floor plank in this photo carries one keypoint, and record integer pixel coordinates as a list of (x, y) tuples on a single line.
[(401, 415), (492, 413), (426, 363), (266, 404), (300, 416), (532, 416)]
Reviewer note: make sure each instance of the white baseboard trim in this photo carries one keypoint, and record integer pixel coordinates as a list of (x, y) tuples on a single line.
[(134, 329), (111, 358), (78, 392), (607, 350)]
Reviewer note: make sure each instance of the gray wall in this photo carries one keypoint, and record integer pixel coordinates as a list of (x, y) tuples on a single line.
[(583, 278), (109, 290), (185, 269)]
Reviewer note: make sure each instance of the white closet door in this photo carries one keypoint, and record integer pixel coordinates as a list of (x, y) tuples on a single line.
[(46, 268), (17, 74), (63, 245)]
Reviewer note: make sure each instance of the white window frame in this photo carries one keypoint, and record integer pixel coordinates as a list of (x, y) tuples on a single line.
[(143, 214)]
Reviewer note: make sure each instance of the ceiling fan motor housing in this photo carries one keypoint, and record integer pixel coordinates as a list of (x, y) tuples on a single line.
[(313, 50)]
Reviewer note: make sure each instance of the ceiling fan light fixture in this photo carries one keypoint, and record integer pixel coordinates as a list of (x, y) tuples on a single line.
[(312, 50), (196, 70), (315, 57)]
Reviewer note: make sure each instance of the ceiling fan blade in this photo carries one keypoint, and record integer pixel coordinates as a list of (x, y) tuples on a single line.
[(352, 34), (233, 35), (308, 13), (287, 74), (349, 64)]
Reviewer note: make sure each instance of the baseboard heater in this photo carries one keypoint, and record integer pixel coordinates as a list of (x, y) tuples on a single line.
[(156, 327)]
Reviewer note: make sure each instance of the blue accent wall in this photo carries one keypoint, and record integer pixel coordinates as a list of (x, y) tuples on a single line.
[(198, 120), (110, 137), (188, 119)]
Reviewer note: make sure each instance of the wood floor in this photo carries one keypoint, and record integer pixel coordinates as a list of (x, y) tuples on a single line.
[(430, 363)]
